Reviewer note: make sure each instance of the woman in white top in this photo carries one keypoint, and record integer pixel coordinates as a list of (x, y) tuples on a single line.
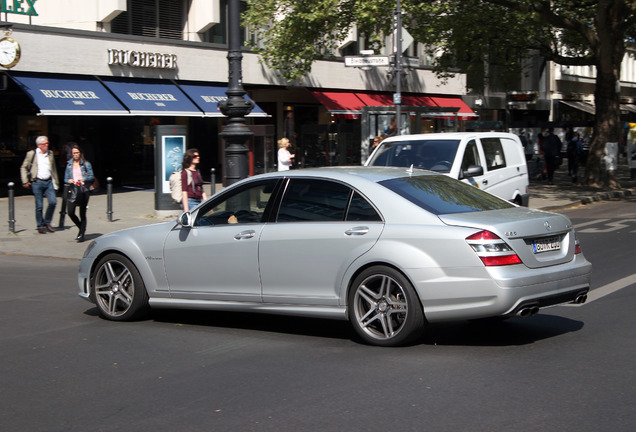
[(285, 158)]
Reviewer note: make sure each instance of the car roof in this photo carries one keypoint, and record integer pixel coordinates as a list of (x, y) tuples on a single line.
[(449, 136), (350, 173)]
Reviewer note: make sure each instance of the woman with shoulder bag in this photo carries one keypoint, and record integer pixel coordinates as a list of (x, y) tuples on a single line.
[(79, 175), (191, 180)]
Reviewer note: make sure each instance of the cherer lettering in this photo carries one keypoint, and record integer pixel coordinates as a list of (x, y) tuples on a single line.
[(213, 99), (152, 96), (68, 94)]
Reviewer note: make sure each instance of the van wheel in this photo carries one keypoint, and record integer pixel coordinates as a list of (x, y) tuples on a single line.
[(384, 308)]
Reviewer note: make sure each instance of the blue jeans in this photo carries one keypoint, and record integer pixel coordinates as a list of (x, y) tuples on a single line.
[(42, 188), (192, 203)]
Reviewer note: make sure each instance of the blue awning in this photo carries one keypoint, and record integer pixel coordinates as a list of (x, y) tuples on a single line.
[(153, 99), (69, 95), (207, 97)]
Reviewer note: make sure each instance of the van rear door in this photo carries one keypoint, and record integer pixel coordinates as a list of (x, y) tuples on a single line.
[(503, 172)]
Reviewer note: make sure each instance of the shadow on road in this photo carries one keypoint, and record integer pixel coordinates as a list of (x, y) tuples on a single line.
[(512, 332)]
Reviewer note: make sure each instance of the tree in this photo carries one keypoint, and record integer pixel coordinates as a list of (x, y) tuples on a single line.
[(486, 39)]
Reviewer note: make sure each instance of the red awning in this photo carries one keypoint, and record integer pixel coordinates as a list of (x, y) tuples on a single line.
[(344, 102), (454, 102), (375, 98), (339, 102)]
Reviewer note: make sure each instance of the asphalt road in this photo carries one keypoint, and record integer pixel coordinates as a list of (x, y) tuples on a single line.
[(570, 368)]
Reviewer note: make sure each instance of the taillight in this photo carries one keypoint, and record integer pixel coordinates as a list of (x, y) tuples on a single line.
[(577, 247), (492, 250)]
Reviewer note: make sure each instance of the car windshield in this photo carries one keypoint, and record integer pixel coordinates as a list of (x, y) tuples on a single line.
[(431, 154), (444, 195)]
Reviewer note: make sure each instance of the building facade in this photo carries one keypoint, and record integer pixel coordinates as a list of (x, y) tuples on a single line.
[(105, 73)]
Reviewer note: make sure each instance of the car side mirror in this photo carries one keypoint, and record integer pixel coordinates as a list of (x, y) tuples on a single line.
[(472, 171), (185, 220)]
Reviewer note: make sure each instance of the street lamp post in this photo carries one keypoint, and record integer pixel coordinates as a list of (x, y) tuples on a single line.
[(235, 107), (397, 97)]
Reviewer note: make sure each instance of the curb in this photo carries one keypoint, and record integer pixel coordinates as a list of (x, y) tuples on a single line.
[(608, 196)]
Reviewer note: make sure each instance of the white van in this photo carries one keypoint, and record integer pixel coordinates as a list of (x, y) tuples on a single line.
[(492, 161)]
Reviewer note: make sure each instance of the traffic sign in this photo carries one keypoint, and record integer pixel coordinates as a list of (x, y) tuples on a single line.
[(358, 61)]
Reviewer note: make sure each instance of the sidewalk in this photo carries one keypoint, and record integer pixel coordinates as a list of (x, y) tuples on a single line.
[(132, 207)]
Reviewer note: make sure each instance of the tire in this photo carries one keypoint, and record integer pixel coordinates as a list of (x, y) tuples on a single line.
[(383, 307), (120, 293)]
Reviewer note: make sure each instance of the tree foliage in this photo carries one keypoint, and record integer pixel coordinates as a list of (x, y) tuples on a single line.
[(486, 39)]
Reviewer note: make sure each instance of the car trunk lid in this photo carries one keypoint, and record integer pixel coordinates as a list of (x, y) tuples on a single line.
[(539, 238)]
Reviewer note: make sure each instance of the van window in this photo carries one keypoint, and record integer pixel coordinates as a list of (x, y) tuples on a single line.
[(432, 154), (493, 151), (471, 155)]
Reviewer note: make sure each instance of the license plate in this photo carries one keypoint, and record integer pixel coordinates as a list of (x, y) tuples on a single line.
[(546, 245)]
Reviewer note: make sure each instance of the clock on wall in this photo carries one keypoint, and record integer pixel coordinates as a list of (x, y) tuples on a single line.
[(9, 52)]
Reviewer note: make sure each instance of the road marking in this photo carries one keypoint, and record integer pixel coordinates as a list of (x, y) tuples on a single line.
[(581, 225), (613, 226), (608, 289)]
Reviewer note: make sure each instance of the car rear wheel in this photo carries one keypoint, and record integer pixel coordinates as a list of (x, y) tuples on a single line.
[(120, 293), (383, 307)]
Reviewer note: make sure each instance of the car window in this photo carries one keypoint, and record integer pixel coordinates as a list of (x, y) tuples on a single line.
[(493, 151), (471, 155), (444, 195), (437, 155), (313, 200), (361, 210), (245, 205)]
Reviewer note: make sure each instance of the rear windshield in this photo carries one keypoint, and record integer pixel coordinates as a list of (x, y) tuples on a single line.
[(444, 195), (435, 155)]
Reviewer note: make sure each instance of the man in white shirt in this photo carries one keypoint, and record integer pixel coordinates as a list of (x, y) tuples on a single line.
[(39, 173)]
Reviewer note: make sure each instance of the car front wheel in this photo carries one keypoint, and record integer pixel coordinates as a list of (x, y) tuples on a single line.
[(383, 307), (120, 294)]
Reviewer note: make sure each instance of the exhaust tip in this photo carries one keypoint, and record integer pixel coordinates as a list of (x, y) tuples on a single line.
[(528, 311), (580, 299)]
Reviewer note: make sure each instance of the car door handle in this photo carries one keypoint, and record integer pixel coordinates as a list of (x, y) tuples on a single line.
[(484, 182), (355, 231), (243, 235)]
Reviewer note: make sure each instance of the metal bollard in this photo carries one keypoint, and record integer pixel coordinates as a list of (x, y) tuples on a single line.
[(213, 181), (64, 205), (109, 198), (11, 207)]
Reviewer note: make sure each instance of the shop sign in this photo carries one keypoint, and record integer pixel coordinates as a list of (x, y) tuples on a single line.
[(21, 7), (142, 59)]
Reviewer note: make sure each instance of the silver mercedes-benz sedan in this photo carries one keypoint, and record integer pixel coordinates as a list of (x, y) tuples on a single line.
[(389, 249)]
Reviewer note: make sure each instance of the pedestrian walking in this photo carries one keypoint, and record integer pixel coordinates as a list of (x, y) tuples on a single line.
[(285, 158), (191, 180), (79, 175), (551, 150), (575, 148), (38, 172)]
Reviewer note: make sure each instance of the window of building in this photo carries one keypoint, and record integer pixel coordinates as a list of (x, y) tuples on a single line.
[(219, 32), (151, 18)]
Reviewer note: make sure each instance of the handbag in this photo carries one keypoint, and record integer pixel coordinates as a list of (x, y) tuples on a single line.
[(75, 193), (94, 186)]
